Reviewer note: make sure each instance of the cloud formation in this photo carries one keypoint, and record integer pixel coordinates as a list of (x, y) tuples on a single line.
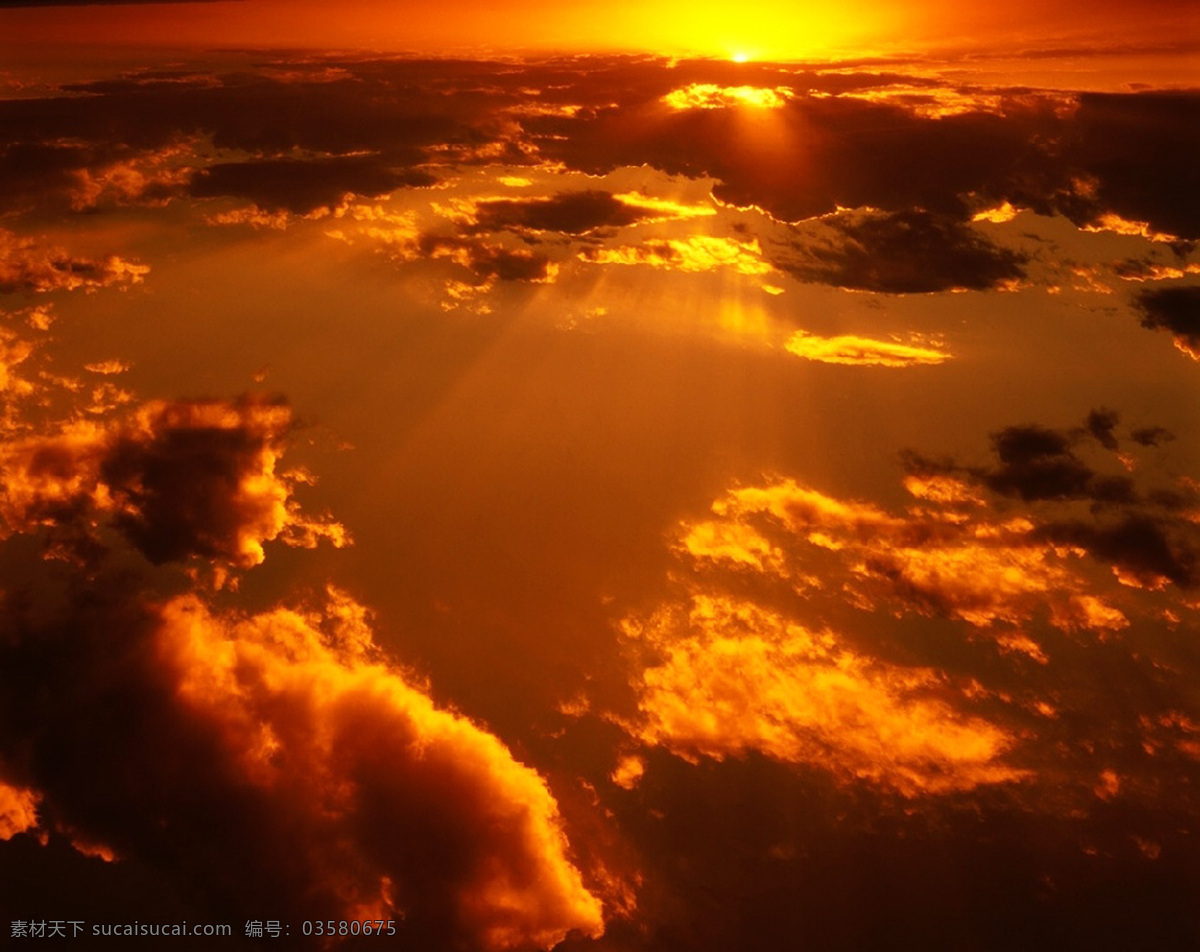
[(1175, 310), (177, 480), (301, 186), (899, 253), (26, 265), (571, 213), (1148, 533), (251, 761), (737, 677), (693, 254), (276, 761), (788, 632)]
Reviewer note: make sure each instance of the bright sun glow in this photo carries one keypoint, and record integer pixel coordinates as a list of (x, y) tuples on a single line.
[(740, 57), (712, 96)]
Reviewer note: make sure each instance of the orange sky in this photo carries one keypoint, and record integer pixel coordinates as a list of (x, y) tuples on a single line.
[(605, 503), (767, 28)]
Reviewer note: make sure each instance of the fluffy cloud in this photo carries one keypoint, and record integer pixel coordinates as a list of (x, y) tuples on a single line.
[(982, 571), (176, 479), (277, 761), (252, 761), (737, 677), (18, 810), (787, 631)]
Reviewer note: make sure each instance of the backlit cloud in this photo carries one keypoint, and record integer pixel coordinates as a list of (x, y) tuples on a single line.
[(1177, 311), (301, 186), (900, 253), (577, 213)]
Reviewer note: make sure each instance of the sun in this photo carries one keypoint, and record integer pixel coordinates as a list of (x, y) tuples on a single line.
[(740, 57)]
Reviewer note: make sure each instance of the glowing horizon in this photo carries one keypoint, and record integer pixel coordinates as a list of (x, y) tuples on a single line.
[(765, 30)]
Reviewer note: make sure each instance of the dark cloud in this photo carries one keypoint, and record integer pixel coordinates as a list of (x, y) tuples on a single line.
[(899, 253), (1176, 310), (1150, 435), (486, 260), (354, 140), (180, 482), (1037, 463), (1137, 150), (1100, 423), (1145, 546), (304, 185), (813, 154), (1146, 532), (572, 213)]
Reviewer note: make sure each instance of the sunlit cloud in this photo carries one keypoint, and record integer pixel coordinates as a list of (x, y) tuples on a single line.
[(745, 655), (14, 351), (304, 709), (1143, 270), (253, 216), (1112, 222), (18, 810), (25, 265), (930, 102), (107, 367), (711, 96), (695, 253), (1004, 212), (150, 178), (862, 351), (977, 570), (177, 479), (738, 677), (282, 721)]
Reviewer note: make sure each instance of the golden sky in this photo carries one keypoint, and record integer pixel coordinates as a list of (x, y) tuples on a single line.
[(612, 502), (760, 29)]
